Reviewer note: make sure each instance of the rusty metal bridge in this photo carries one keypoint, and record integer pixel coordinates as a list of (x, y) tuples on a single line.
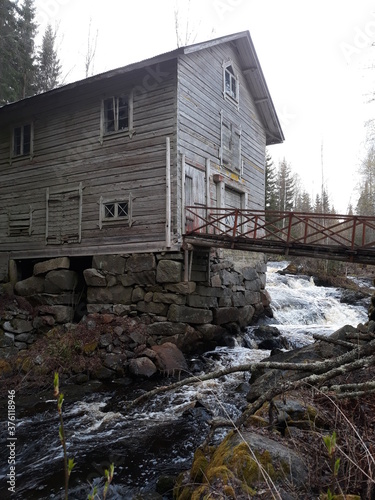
[(349, 238)]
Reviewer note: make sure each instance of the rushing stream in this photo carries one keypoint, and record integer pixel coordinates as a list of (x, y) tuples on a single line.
[(159, 437)]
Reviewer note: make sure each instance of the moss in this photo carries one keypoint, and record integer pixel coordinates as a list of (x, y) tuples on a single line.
[(324, 496), (257, 421), (90, 347), (220, 472), (199, 466), (201, 493), (229, 492)]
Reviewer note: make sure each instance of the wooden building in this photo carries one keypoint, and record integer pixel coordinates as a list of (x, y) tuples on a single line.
[(106, 165)]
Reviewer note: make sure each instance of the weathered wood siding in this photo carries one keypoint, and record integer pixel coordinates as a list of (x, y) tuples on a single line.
[(68, 154), (200, 105)]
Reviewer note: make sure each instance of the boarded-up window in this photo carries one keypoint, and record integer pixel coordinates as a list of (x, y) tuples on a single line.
[(63, 216), (19, 224), (230, 151)]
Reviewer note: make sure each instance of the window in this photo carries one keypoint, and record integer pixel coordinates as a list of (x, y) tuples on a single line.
[(22, 141), (115, 211), (116, 114), (230, 80), (230, 150)]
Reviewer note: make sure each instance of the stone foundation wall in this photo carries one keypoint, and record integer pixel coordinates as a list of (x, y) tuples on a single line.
[(222, 295)]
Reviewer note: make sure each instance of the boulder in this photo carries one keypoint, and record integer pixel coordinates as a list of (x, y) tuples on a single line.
[(29, 286), (60, 280), (50, 265), (169, 359), (142, 367)]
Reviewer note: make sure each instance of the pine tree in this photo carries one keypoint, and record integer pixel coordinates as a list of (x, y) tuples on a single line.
[(366, 200), (48, 64)]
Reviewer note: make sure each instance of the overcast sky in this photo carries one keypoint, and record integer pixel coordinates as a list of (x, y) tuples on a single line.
[(317, 58)]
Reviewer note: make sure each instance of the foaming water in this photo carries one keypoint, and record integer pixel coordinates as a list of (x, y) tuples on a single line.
[(301, 309)]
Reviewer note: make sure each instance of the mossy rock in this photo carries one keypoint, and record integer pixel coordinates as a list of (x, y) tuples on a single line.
[(6, 369), (90, 347), (199, 466)]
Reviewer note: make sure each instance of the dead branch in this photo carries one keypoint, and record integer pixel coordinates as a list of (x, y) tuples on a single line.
[(312, 380), (330, 368), (339, 342)]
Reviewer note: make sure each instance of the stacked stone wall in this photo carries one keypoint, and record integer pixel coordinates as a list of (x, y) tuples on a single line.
[(148, 286)]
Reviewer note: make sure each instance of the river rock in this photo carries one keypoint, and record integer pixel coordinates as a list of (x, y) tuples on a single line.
[(169, 358), (142, 366)]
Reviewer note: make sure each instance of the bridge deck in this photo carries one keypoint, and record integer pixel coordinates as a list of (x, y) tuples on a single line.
[(349, 238)]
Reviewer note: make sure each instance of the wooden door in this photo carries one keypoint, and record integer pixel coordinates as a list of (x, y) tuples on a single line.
[(195, 196)]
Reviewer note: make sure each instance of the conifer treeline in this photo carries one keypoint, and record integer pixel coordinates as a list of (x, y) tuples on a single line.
[(283, 191), (25, 69)]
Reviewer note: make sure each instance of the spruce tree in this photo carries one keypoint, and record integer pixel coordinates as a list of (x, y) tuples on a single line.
[(48, 65), (8, 51), (285, 187), (271, 202), (25, 56)]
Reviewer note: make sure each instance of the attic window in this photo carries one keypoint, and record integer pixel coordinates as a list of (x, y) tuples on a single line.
[(22, 140), (116, 115), (115, 211), (230, 82)]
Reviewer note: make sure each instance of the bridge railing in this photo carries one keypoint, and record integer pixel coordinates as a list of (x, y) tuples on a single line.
[(349, 231)]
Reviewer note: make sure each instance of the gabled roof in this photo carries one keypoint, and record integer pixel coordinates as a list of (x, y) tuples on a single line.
[(250, 66)]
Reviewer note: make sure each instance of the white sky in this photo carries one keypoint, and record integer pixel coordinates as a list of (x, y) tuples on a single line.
[(316, 58)]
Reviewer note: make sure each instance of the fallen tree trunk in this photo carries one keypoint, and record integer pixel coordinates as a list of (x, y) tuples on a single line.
[(319, 372)]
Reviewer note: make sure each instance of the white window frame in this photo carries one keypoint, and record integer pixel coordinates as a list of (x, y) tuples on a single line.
[(228, 92), (15, 155), (116, 219), (126, 130)]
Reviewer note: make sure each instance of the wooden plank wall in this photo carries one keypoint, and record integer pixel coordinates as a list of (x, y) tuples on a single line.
[(200, 103), (68, 151)]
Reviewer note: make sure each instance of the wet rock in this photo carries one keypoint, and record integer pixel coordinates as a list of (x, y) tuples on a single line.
[(169, 358), (142, 367)]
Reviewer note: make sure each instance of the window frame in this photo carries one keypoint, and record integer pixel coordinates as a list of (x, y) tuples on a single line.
[(228, 93), (235, 132), (128, 130), (22, 154), (116, 219)]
